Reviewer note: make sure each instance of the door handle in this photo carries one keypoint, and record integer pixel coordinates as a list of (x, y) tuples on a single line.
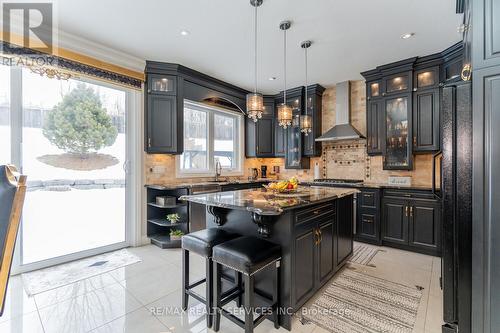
[(406, 210), (316, 236), (411, 211)]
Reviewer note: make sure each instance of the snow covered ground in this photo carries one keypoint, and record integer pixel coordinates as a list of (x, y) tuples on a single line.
[(59, 223)]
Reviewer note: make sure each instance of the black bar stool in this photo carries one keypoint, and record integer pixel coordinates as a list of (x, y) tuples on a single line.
[(202, 242), (247, 255)]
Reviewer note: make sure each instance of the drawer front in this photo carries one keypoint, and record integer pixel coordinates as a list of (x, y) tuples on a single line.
[(314, 213), (417, 194), (369, 199), (367, 225)]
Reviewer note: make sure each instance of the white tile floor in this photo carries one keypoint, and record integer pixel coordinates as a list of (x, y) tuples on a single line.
[(134, 298)]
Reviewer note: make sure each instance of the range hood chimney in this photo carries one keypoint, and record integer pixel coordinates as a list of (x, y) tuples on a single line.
[(342, 130)]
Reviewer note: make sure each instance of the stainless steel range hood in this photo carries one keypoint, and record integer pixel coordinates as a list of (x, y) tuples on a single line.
[(342, 130)]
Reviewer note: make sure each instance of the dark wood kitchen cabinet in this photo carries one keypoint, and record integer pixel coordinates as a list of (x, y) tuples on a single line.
[(397, 149), (424, 224), (305, 262), (395, 220), (374, 126), (320, 236), (426, 106), (412, 221), (280, 139), (311, 147), (368, 216), (260, 135), (294, 155), (326, 253), (426, 121), (162, 119), (167, 85)]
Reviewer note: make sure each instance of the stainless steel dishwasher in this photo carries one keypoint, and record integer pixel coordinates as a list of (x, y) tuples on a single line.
[(197, 212)]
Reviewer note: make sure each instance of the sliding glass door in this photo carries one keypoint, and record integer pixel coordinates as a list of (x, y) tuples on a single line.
[(72, 145)]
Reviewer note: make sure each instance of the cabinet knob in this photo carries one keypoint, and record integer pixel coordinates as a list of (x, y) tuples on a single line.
[(406, 210), (383, 94), (414, 89), (315, 212), (149, 91), (411, 211)]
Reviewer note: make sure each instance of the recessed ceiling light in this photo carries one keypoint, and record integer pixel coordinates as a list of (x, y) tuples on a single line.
[(408, 35), (184, 32), (272, 78)]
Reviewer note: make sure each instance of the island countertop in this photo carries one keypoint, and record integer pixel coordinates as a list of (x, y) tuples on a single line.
[(266, 202)]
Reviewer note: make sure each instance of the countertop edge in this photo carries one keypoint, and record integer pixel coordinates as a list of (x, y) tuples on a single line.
[(266, 213)]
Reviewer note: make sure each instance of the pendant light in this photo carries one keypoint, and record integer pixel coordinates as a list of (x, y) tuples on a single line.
[(306, 120), (285, 113), (255, 101)]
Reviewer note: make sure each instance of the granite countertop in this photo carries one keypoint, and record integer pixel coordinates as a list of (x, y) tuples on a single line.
[(203, 183), (370, 185), (265, 202)]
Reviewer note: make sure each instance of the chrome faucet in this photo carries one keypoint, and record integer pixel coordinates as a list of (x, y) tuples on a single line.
[(218, 169)]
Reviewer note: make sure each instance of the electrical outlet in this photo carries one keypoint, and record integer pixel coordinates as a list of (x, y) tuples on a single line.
[(158, 169)]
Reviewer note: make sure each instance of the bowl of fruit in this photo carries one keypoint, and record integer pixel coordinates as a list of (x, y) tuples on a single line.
[(284, 186)]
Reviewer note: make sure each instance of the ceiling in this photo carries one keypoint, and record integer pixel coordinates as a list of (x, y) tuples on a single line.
[(349, 36)]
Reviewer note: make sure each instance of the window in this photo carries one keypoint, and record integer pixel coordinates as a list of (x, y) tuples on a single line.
[(210, 134), (5, 115)]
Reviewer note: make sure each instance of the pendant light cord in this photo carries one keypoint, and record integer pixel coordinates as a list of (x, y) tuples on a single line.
[(284, 67), (306, 82), (255, 51)]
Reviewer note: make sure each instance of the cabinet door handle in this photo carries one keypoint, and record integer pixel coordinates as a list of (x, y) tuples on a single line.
[(316, 236), (406, 210), (414, 140), (316, 212), (149, 142), (320, 236), (411, 211)]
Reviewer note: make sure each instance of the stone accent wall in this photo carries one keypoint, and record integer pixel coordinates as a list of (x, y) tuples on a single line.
[(345, 160)]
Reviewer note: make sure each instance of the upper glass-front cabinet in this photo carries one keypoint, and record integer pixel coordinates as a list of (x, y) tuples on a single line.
[(398, 83), (426, 78), (162, 84), (398, 152), (374, 89)]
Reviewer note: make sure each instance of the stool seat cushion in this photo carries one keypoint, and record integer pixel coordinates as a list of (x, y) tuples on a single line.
[(203, 241), (246, 254)]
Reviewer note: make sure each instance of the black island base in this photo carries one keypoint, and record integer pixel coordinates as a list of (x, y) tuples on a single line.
[(314, 228)]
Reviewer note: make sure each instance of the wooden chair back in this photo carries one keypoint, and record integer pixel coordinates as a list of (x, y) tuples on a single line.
[(12, 193)]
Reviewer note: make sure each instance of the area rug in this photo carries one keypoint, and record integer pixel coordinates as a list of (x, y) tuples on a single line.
[(355, 302), (57, 276), (363, 254)]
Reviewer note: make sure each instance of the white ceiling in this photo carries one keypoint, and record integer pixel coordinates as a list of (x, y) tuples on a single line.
[(349, 36)]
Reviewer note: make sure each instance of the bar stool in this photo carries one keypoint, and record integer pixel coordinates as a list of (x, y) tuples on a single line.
[(202, 242), (247, 255)]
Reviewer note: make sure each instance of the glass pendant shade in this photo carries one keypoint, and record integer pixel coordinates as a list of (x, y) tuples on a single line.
[(305, 124), (285, 114), (255, 106)]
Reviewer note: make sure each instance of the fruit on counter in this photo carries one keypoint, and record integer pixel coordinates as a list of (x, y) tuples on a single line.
[(282, 185)]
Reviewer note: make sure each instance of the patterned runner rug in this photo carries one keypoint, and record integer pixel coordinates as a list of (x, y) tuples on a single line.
[(359, 303), (363, 254)]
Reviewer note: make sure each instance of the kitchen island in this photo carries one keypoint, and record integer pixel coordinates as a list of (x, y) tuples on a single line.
[(314, 228)]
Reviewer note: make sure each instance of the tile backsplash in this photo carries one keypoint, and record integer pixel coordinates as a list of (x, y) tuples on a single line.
[(343, 159)]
